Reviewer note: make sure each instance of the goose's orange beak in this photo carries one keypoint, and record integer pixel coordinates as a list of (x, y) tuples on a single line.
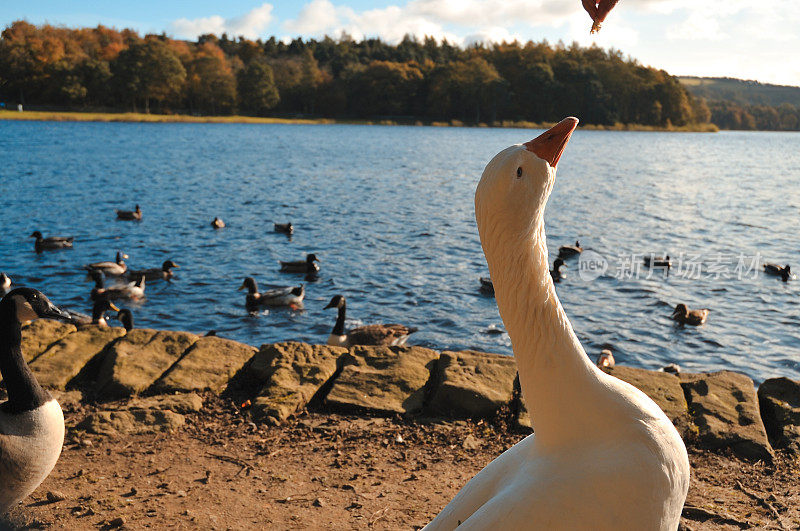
[(550, 145)]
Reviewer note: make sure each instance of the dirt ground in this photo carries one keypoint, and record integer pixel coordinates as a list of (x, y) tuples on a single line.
[(332, 471)]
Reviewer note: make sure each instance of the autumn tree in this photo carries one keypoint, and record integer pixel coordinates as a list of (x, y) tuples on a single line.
[(257, 91), (149, 70)]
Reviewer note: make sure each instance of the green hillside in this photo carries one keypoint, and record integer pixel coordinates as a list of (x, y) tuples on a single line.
[(741, 91)]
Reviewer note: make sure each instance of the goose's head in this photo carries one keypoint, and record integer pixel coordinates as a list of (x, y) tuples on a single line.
[(336, 302), (169, 265), (513, 191), (250, 284), (31, 304)]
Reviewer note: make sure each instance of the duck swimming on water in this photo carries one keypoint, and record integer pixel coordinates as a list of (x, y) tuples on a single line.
[(115, 268), (784, 272), (486, 285), (31, 421), (51, 242), (684, 315), (156, 273), (375, 334), (309, 265), (658, 261), (218, 223), (131, 215), (289, 296), (567, 251), (131, 290), (285, 228), (603, 455)]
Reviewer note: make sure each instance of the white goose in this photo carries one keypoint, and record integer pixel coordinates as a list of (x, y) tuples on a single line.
[(604, 456), (31, 421)]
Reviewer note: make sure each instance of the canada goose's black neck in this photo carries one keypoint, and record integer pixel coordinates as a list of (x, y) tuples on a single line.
[(338, 328), (24, 392)]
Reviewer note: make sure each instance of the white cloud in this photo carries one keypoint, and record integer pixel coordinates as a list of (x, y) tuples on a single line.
[(250, 25)]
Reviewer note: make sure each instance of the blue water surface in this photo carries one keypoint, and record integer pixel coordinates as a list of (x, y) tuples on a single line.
[(389, 212)]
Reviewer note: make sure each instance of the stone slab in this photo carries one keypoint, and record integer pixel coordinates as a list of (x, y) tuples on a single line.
[(40, 334)]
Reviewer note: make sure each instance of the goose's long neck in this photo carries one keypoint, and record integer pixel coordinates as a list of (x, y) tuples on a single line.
[(24, 392), (338, 328), (555, 374)]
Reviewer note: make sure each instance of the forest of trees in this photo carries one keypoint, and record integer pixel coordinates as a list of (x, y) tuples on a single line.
[(105, 69)]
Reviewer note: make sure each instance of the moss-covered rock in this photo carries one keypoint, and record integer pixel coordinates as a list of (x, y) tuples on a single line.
[(293, 373), (65, 358), (383, 379), (207, 365), (779, 399), (724, 407), (40, 334), (473, 384)]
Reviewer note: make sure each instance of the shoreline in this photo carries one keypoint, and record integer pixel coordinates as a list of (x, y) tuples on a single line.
[(130, 117)]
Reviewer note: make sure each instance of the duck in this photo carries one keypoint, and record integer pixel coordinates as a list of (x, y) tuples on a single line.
[(374, 334), (285, 228), (684, 315), (98, 317), (567, 251), (126, 318), (5, 282), (156, 273), (218, 223), (784, 272), (288, 296), (51, 242), (302, 266), (606, 359), (658, 261), (131, 290), (486, 285), (133, 215), (99, 289), (603, 455), (556, 273), (31, 421), (116, 268)]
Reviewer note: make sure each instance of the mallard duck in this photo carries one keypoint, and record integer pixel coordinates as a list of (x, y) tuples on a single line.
[(658, 261), (606, 359), (156, 273), (51, 242), (565, 251), (289, 296), (5, 282), (31, 421), (98, 317), (556, 273), (285, 228), (126, 318), (684, 315), (218, 223), (116, 268), (375, 334), (784, 272), (131, 290), (303, 266), (134, 215), (486, 285)]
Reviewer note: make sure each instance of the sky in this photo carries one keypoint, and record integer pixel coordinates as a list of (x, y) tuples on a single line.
[(734, 38)]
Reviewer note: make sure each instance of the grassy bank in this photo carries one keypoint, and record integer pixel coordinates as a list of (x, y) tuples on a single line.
[(57, 116)]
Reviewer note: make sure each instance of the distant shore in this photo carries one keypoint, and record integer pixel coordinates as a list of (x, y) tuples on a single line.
[(63, 116)]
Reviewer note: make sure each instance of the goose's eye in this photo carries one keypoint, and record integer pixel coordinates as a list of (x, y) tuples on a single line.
[(519, 172)]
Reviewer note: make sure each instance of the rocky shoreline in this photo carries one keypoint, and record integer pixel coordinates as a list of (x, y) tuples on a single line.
[(164, 370)]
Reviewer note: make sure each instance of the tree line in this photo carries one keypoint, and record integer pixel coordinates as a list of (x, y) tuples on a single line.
[(103, 68)]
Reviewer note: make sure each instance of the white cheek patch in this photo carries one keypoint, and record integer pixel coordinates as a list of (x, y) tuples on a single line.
[(25, 311)]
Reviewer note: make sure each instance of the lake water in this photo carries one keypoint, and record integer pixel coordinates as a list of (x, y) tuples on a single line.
[(389, 212)]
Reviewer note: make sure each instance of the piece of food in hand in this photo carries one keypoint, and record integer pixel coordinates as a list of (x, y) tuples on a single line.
[(598, 10)]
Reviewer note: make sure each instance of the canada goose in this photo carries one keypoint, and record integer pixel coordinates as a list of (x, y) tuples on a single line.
[(51, 242), (218, 223), (116, 268), (486, 285), (606, 359), (131, 290), (289, 296), (375, 334), (156, 273), (5, 282), (135, 214), (565, 251), (603, 455), (658, 261), (98, 317), (556, 273), (684, 315), (784, 272), (285, 228), (31, 421), (302, 266), (126, 318)]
